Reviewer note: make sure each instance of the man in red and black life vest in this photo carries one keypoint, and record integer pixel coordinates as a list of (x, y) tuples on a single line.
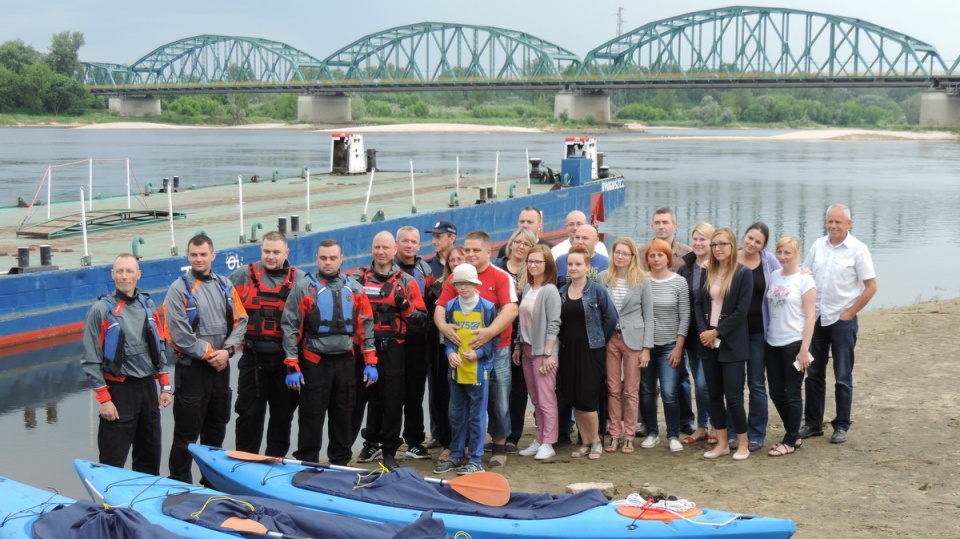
[(264, 287), (418, 354), (397, 308), (205, 322), (123, 353), (444, 235), (326, 321)]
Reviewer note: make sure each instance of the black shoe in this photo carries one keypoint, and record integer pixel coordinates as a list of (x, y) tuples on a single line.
[(753, 446), (511, 448), (688, 429), (369, 453), (562, 442), (434, 444), (488, 447), (807, 431), (839, 436), (417, 452), (641, 431), (390, 462)]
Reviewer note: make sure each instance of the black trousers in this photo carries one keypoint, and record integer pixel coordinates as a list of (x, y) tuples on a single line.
[(440, 398), (414, 386), (262, 382), (786, 387), (201, 409), (328, 392), (725, 382), (138, 425), (518, 402), (383, 400)]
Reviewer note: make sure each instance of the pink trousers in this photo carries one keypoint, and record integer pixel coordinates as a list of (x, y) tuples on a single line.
[(542, 390), (623, 376)]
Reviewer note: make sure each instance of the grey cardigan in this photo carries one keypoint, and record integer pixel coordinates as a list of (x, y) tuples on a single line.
[(636, 315), (546, 320)]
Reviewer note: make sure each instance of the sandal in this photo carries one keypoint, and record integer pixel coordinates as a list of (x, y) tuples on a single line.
[(614, 445), (596, 449), (627, 446), (780, 450), (694, 439), (583, 451)]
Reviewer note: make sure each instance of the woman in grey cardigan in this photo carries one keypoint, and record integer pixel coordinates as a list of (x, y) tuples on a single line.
[(628, 350), (536, 347)]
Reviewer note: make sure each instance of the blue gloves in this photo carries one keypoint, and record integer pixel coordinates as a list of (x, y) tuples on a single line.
[(295, 379), (369, 373)]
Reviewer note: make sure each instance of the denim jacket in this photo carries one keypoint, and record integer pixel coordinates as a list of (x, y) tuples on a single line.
[(599, 311)]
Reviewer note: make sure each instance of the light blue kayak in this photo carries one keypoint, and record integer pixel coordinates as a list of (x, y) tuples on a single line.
[(21, 505), (402, 495)]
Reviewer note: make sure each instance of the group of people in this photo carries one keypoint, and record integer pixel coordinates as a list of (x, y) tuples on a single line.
[(590, 340)]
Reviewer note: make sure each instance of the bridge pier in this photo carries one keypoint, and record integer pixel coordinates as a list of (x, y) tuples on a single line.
[(134, 106), (583, 105), (324, 109), (938, 108)]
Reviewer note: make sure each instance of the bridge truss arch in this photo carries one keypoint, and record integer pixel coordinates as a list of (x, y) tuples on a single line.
[(222, 59), (456, 54), (761, 44)]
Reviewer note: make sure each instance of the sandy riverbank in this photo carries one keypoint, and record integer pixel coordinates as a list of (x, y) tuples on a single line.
[(822, 134), (897, 476)]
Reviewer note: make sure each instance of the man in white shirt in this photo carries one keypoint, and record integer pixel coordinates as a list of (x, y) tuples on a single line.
[(846, 281)]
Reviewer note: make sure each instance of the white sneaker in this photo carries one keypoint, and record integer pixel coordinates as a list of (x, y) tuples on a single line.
[(546, 451), (675, 445), (531, 449), (650, 441)]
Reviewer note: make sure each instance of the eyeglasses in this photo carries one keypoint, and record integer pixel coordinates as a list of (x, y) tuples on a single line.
[(535, 262), (520, 243), (621, 253), (720, 245)]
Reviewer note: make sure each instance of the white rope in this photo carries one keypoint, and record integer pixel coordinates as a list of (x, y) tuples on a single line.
[(674, 507)]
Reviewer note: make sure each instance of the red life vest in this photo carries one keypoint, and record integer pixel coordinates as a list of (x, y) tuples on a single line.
[(265, 305), (387, 321)]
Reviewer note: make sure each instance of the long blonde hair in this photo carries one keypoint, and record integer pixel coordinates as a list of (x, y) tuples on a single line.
[(635, 273), (726, 268)]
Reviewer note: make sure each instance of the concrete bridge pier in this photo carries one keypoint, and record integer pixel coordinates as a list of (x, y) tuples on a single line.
[(134, 106), (324, 109), (583, 105), (940, 107)]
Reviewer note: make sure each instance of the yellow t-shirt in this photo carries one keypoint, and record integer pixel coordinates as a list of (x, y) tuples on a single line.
[(469, 322)]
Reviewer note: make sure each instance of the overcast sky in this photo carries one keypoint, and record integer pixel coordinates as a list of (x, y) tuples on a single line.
[(122, 32)]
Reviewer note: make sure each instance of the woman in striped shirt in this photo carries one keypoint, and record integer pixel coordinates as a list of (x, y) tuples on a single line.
[(671, 320), (628, 350)]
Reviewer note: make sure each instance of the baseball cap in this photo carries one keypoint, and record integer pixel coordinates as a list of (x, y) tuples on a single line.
[(465, 273), (442, 227)]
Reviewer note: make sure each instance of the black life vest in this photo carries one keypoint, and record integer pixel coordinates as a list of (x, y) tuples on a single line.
[(387, 321), (265, 305), (112, 337), (330, 315)]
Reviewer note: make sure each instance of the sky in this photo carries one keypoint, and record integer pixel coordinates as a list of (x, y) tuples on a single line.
[(123, 32)]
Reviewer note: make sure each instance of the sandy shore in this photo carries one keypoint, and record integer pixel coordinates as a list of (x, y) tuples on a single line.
[(823, 134), (897, 476)]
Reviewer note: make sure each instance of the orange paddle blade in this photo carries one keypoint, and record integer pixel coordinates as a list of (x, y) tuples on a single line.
[(244, 525), (253, 457), (485, 488)]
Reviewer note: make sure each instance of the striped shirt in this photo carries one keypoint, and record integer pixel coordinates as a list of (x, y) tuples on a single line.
[(671, 309)]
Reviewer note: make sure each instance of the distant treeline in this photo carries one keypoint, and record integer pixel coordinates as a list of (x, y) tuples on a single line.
[(33, 82)]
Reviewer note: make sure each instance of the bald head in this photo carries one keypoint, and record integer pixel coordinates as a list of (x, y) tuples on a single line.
[(587, 236), (575, 219), (384, 249)]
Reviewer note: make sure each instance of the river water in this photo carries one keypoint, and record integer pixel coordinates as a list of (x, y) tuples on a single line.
[(904, 196)]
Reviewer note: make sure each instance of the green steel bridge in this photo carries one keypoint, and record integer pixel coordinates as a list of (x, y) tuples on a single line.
[(735, 46)]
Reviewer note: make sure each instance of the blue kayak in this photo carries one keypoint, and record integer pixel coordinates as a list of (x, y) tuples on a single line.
[(200, 513), (402, 495), (21, 505)]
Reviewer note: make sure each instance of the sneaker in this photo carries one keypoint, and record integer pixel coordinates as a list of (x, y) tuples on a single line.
[(369, 453), (531, 449), (641, 431), (496, 461), (445, 466), (839, 436), (754, 445), (650, 441), (434, 444), (511, 448), (546, 451), (390, 462), (417, 452), (807, 431), (675, 445), (469, 468)]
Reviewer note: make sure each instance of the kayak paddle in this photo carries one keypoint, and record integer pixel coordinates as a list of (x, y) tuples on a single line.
[(485, 488), (247, 525)]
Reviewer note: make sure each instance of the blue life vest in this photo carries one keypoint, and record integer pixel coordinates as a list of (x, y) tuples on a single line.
[(331, 316), (112, 337), (190, 303)]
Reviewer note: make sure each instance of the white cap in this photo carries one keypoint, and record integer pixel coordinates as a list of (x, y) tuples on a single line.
[(465, 273)]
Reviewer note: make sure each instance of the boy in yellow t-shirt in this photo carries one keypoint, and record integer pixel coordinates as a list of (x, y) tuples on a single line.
[(469, 372)]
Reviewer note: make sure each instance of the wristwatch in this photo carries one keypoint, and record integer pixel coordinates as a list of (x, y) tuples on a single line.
[(166, 389)]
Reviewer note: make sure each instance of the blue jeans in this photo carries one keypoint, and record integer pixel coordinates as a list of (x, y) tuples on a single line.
[(757, 384), (684, 395), (468, 413), (499, 405), (839, 338), (700, 383), (659, 369)]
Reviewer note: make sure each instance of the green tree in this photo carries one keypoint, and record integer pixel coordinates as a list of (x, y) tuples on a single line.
[(65, 95), (64, 58), (8, 89), (17, 56)]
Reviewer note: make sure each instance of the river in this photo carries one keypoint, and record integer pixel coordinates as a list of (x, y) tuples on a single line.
[(904, 196)]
